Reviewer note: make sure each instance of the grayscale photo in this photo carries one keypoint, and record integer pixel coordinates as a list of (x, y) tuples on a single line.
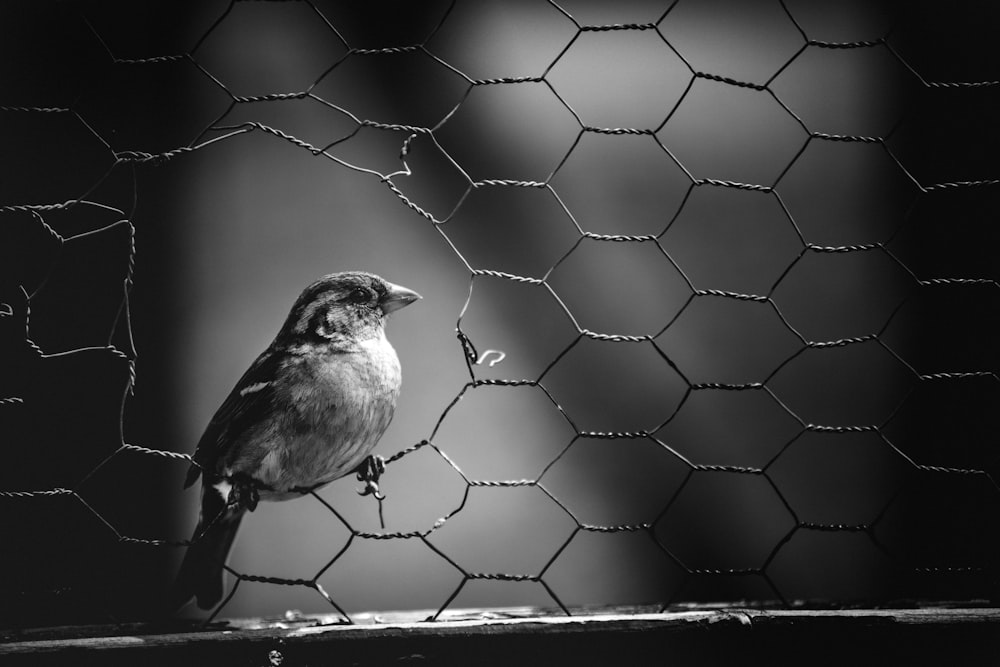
[(499, 332)]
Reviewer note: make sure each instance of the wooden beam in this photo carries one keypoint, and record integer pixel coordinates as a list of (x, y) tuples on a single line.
[(506, 637)]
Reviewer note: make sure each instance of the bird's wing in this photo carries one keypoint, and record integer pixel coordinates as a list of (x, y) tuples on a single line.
[(251, 399)]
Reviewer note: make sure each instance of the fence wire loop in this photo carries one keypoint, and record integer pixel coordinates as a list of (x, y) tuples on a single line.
[(498, 356)]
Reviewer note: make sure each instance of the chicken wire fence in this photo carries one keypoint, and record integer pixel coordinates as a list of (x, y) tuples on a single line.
[(707, 437)]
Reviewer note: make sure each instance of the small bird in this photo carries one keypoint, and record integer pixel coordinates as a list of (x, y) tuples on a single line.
[(308, 411)]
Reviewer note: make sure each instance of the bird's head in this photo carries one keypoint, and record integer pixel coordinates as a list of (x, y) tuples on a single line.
[(344, 307)]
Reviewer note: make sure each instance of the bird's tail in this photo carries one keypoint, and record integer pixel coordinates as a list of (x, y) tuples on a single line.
[(202, 574)]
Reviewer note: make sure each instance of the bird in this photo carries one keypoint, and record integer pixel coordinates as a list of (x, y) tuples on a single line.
[(308, 411)]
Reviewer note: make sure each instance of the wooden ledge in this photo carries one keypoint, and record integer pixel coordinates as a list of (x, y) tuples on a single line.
[(517, 637)]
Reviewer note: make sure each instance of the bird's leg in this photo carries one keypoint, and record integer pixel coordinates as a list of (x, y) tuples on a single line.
[(244, 492), (369, 472)]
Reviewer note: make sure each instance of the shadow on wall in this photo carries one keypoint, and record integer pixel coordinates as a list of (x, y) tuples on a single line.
[(290, 216)]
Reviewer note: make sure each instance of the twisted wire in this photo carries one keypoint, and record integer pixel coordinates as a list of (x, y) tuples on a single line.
[(141, 159)]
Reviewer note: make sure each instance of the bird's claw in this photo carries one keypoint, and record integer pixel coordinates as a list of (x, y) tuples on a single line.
[(369, 472), (244, 493), (371, 489)]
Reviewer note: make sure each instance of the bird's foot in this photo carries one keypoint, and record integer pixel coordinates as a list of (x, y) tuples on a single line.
[(369, 472), (245, 492)]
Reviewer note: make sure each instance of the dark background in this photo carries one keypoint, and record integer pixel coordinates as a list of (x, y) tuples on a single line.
[(225, 236)]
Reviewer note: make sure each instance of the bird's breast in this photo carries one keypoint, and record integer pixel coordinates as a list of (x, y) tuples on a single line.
[(336, 415)]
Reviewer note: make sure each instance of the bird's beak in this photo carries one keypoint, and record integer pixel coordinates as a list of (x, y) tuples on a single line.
[(397, 297)]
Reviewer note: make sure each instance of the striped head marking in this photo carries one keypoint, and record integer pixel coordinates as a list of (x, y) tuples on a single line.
[(343, 307)]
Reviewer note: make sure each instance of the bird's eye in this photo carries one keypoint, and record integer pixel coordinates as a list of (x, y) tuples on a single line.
[(360, 295)]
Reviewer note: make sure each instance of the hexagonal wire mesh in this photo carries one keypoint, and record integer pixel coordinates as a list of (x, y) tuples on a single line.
[(710, 352)]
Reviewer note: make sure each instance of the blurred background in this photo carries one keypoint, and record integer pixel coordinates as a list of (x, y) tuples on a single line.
[(711, 236)]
